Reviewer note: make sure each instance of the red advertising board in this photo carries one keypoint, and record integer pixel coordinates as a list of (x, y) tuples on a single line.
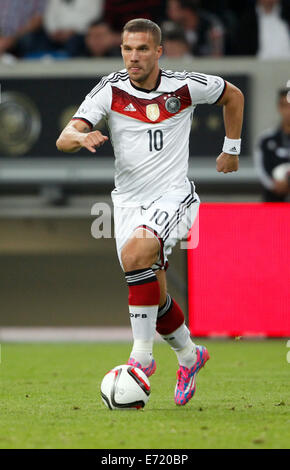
[(239, 274)]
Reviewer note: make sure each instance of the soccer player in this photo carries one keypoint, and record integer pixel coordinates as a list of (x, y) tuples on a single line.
[(272, 151), (149, 112)]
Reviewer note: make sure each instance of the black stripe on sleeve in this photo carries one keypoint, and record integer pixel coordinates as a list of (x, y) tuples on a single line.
[(120, 76), (191, 76), (84, 120)]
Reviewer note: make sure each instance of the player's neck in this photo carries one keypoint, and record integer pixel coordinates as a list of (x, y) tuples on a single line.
[(286, 127), (151, 82)]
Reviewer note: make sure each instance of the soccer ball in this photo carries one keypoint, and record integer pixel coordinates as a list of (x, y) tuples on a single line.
[(125, 387), (281, 172)]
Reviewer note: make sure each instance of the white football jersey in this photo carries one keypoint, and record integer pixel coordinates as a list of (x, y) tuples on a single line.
[(149, 129)]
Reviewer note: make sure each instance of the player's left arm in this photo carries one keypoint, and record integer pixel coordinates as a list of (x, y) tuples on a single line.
[(233, 109)]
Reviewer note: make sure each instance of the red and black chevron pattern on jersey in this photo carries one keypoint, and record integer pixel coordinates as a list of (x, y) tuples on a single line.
[(121, 101)]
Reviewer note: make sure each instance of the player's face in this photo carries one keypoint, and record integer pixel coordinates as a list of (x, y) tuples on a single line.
[(268, 3), (284, 109), (140, 54)]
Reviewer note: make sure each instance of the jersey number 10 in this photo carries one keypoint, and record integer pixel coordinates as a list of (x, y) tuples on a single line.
[(155, 140)]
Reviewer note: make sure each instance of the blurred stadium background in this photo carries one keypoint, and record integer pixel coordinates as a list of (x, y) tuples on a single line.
[(53, 272)]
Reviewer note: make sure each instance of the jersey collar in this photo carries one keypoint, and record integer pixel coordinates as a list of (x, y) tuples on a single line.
[(153, 89)]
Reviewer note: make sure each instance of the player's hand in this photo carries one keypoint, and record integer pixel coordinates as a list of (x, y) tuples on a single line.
[(227, 163), (6, 42), (281, 187), (92, 140)]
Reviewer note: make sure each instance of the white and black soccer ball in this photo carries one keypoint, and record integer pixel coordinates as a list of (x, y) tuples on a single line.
[(282, 172), (125, 387)]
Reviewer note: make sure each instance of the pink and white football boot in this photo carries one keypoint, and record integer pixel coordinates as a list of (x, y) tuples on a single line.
[(186, 378), (149, 370)]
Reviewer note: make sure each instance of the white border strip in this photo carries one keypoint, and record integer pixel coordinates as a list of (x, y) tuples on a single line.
[(67, 334), (57, 334)]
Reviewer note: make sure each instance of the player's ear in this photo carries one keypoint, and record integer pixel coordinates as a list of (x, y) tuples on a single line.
[(159, 51), (122, 50)]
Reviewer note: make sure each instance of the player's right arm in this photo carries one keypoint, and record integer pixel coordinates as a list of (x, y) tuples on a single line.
[(76, 135)]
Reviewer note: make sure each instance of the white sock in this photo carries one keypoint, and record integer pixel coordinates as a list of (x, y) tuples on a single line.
[(187, 355), (143, 322), (142, 352), (180, 341)]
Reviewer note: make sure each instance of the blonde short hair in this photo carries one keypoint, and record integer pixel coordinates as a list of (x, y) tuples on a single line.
[(140, 25)]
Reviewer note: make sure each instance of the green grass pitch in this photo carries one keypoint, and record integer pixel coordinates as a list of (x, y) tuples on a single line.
[(49, 398)]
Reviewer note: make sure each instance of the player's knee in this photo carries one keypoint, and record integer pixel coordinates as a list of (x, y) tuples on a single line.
[(135, 260), (135, 256)]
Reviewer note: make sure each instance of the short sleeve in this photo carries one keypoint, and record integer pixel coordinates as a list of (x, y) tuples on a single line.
[(96, 105), (205, 88)]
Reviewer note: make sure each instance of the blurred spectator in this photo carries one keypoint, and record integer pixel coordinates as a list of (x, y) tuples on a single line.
[(273, 150), (203, 31), (20, 26), (101, 41), (174, 41), (264, 30), (229, 13), (66, 21), (219, 7), (118, 12)]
